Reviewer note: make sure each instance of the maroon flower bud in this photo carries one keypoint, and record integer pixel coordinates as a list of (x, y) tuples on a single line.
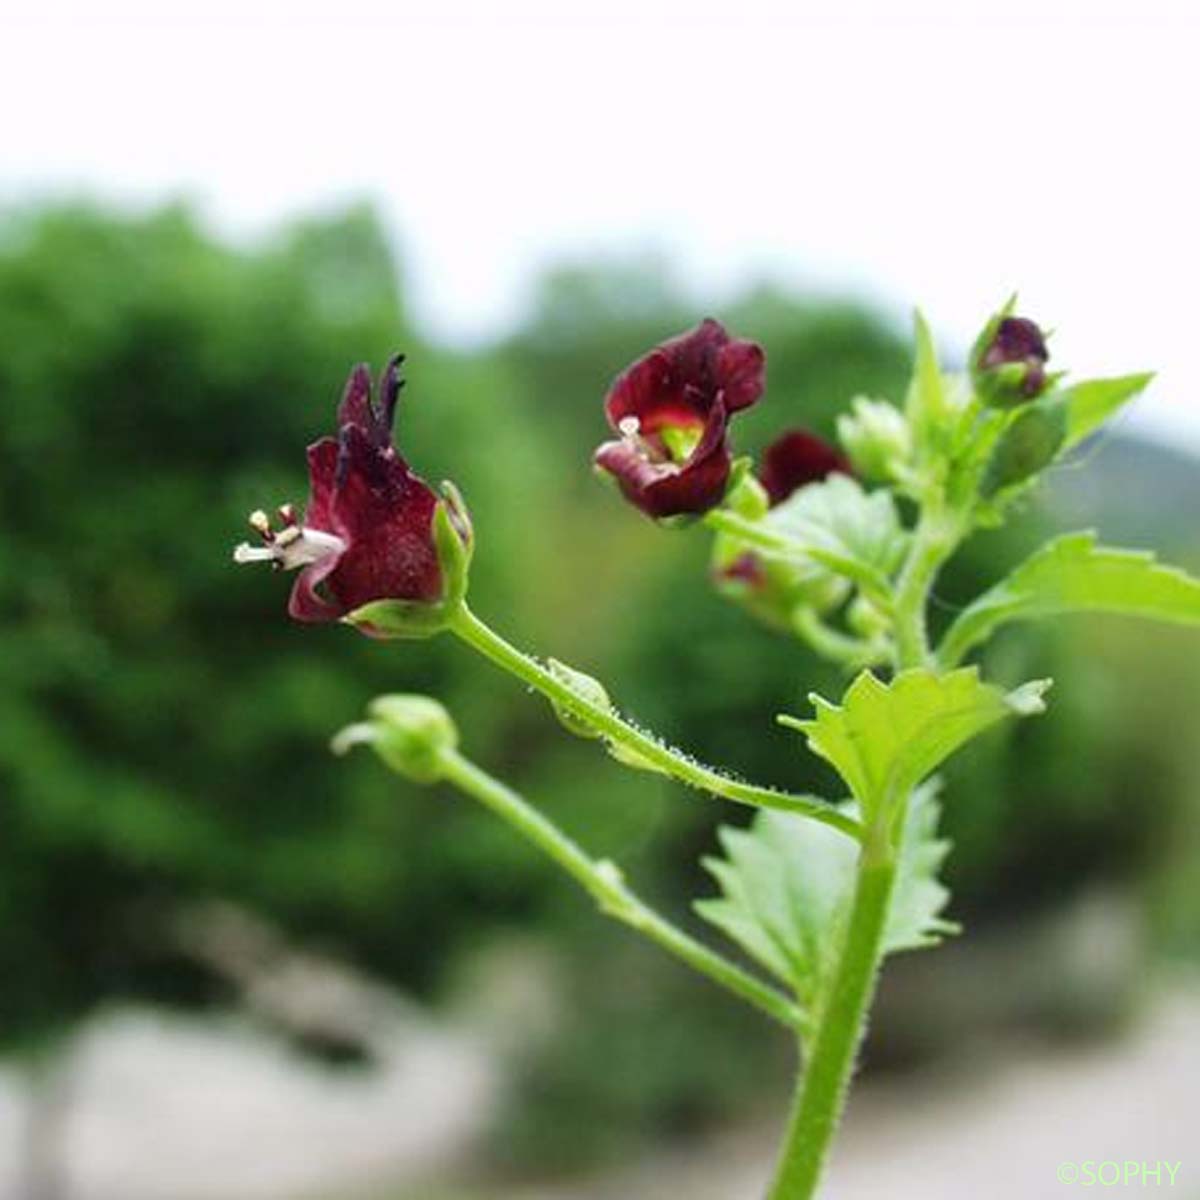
[(798, 458), (672, 410), (369, 532), (1009, 363)]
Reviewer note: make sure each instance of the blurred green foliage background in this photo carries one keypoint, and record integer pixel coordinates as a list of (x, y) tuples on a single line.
[(164, 726)]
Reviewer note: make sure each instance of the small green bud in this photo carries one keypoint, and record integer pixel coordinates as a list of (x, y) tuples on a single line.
[(1028, 445), (877, 438), (409, 732), (586, 688)]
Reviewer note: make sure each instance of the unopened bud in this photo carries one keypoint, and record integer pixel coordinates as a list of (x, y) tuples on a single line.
[(877, 438), (1008, 361), (410, 733)]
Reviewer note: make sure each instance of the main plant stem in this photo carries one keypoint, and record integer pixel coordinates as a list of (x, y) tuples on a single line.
[(604, 882), (821, 1093), (933, 541), (621, 733)]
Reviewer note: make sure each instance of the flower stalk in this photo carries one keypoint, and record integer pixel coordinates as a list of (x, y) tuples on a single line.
[(604, 882), (630, 744)]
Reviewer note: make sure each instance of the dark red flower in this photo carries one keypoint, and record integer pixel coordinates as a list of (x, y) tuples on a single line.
[(368, 530), (796, 459), (672, 410), (1011, 364)]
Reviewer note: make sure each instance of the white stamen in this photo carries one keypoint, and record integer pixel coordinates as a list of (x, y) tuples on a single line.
[(294, 546), (246, 553), (260, 522), (629, 426)]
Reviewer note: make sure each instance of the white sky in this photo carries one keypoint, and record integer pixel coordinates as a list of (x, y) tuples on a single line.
[(933, 153)]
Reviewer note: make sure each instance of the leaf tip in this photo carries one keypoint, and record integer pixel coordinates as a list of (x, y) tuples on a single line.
[(1029, 699)]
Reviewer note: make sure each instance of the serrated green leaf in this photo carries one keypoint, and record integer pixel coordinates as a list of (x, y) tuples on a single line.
[(849, 531), (1073, 574), (787, 885), (919, 896), (784, 882), (1090, 403), (886, 737)]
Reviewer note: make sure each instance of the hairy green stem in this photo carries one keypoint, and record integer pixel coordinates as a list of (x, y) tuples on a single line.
[(837, 646), (604, 882), (933, 541), (821, 1093), (632, 740)]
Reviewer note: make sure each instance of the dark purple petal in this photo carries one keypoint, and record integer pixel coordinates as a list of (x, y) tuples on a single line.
[(322, 475), (796, 459), (306, 603), (356, 407), (651, 391), (390, 384), (667, 489), (384, 513), (741, 369)]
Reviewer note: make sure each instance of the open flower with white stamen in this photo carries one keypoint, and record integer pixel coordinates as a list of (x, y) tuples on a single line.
[(374, 533)]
